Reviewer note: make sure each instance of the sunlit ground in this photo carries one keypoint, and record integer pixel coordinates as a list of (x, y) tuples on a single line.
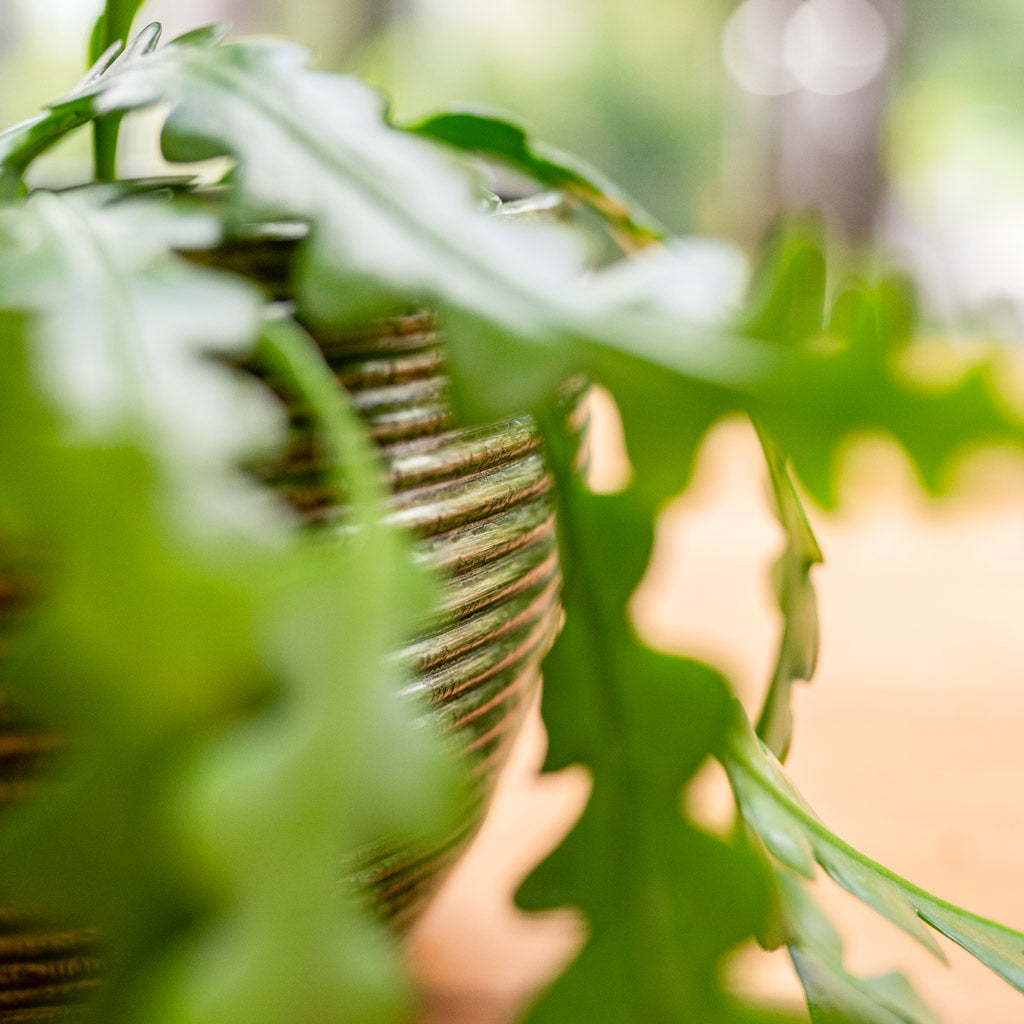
[(908, 743)]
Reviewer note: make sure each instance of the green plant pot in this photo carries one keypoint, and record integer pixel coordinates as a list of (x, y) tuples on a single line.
[(480, 506)]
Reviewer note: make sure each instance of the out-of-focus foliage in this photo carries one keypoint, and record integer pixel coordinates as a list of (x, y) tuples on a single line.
[(222, 678), (638, 91), (794, 591), (637, 86), (226, 678)]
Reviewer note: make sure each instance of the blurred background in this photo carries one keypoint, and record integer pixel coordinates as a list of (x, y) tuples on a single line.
[(902, 122)]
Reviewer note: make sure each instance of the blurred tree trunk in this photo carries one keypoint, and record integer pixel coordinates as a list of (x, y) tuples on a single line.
[(340, 32), (807, 149)]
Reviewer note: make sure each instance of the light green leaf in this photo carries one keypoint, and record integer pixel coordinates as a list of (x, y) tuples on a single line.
[(857, 371), (789, 294), (996, 946), (137, 634), (125, 332), (751, 768), (227, 733), (775, 829), (395, 222), (392, 222), (852, 377), (113, 26), (22, 143), (834, 995), (794, 592)]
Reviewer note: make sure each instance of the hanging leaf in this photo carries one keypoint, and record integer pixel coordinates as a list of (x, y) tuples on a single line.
[(226, 732), (641, 723), (834, 995), (783, 821), (794, 591)]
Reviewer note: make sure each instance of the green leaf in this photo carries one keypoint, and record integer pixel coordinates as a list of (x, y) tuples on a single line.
[(858, 372), (299, 793), (227, 734), (110, 33), (23, 142), (853, 376), (664, 900), (834, 995), (771, 806), (395, 224), (137, 634), (787, 306), (794, 591), (495, 137), (113, 26), (789, 293), (125, 330)]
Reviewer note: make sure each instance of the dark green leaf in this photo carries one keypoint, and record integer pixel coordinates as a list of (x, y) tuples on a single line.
[(502, 140), (641, 723)]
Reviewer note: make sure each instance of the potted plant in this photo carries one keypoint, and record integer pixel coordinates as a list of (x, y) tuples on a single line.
[(229, 724)]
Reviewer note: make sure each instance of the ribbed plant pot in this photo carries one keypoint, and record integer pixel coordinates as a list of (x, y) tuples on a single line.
[(479, 503), (480, 507)]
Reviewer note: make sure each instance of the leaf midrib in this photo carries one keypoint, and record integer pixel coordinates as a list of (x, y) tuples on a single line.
[(740, 760)]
